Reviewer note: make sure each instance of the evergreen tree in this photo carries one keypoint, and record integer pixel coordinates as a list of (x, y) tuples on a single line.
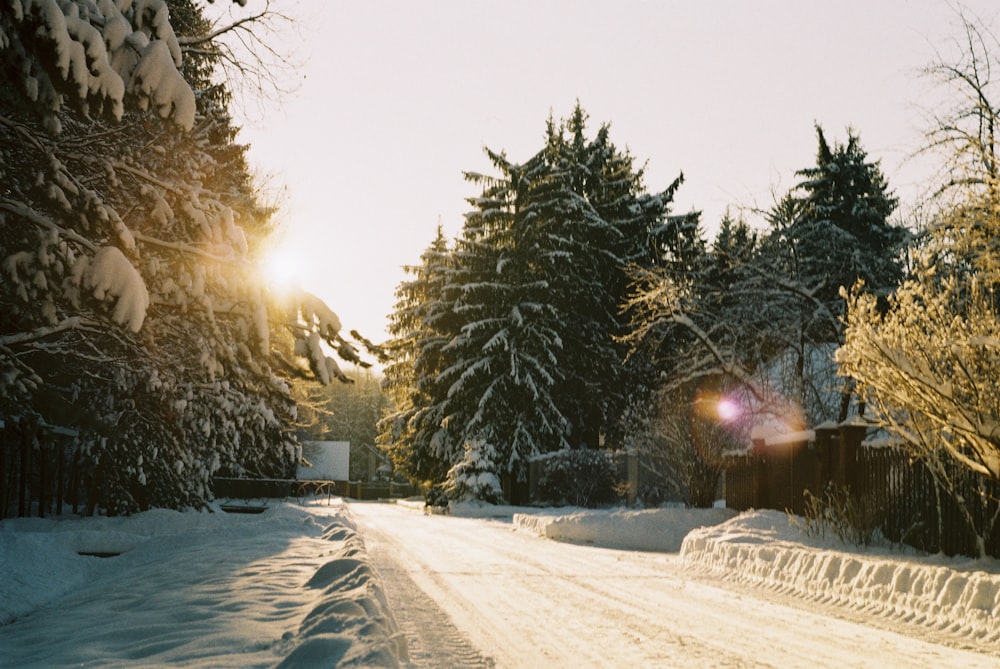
[(766, 312), (832, 231), (132, 313), (533, 362), (841, 231), (502, 360), (421, 324)]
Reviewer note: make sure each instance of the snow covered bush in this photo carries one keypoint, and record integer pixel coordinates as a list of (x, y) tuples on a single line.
[(928, 368), (475, 477), (578, 477)]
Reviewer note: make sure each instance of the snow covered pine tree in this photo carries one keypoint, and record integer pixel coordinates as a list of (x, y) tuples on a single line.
[(518, 348), (133, 316)]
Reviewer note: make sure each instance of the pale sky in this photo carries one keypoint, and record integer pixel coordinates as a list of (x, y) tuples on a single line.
[(398, 98)]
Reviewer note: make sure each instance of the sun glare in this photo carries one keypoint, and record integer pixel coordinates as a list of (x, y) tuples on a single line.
[(728, 410), (281, 269)]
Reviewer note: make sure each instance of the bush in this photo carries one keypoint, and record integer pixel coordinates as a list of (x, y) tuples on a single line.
[(584, 477), (475, 477), (436, 495), (838, 512)]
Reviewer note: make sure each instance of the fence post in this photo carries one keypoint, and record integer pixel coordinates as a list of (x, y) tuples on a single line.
[(60, 475), (851, 436), (3, 470), (825, 471), (534, 470), (757, 475), (23, 490)]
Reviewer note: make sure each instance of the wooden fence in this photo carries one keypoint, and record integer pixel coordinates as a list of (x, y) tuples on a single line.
[(896, 492), (39, 469), (41, 474), (233, 488)]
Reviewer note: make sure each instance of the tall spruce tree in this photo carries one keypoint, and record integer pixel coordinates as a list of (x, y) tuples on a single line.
[(539, 274), (832, 231), (421, 324), (503, 359), (841, 232)]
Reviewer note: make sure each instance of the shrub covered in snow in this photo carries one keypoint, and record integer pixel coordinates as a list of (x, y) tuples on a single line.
[(584, 477), (475, 477), (838, 512)]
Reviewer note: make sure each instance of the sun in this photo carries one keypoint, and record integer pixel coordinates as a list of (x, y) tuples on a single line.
[(281, 269)]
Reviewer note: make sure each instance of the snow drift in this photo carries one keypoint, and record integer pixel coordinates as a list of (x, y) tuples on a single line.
[(763, 549), (646, 530), (291, 587)]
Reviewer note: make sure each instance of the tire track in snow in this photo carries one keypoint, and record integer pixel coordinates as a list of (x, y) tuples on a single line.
[(525, 612), (529, 601), (432, 640)]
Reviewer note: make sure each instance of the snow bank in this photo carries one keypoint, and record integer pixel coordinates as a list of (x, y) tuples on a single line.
[(350, 622), (762, 549), (645, 530), (292, 587)]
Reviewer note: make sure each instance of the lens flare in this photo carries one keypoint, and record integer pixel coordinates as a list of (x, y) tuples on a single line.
[(727, 410)]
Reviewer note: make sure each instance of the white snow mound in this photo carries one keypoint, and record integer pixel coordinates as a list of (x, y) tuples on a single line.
[(762, 549), (645, 530), (290, 587)]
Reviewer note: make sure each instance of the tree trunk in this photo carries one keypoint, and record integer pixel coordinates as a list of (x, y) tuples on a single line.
[(22, 483), (3, 473), (43, 481)]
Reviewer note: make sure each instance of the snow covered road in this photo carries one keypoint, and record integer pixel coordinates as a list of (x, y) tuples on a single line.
[(525, 601)]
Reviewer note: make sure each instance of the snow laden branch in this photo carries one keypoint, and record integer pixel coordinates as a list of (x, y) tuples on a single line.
[(931, 368), (316, 329), (29, 214), (658, 305), (110, 274), (97, 55), (22, 338)]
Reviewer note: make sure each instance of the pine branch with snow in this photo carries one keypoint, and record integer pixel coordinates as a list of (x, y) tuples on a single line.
[(134, 312), (94, 56)]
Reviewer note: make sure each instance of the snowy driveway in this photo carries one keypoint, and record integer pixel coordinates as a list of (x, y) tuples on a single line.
[(524, 601)]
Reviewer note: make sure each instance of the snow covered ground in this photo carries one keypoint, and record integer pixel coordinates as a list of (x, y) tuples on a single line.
[(368, 584), (527, 601), (291, 587), (765, 550)]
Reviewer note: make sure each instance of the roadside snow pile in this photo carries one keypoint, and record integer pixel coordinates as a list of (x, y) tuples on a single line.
[(291, 587), (762, 549), (645, 530)]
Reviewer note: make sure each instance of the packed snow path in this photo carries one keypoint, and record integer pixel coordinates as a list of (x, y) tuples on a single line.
[(525, 601)]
